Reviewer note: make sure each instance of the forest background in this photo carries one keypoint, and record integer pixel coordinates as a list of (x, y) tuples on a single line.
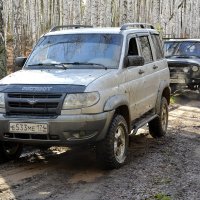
[(22, 22)]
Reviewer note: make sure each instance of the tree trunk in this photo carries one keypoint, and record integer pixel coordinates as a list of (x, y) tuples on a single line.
[(17, 29), (2, 44)]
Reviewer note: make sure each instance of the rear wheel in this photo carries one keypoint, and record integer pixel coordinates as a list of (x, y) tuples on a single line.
[(112, 151), (10, 151), (158, 126)]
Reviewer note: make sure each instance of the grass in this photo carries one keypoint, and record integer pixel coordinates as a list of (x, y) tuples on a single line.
[(172, 100), (161, 196)]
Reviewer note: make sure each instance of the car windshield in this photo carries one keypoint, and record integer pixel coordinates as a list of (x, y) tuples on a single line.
[(77, 51), (182, 48)]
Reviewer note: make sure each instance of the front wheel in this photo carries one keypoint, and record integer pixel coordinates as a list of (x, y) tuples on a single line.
[(112, 151), (10, 151), (158, 126)]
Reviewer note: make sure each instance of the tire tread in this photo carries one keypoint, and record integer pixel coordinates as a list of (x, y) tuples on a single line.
[(155, 126), (105, 148)]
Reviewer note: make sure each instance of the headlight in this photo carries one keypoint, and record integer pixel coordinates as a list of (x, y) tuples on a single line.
[(186, 69), (2, 100), (195, 68), (80, 100)]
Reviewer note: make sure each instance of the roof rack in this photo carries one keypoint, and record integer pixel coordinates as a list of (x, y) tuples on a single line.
[(55, 28), (141, 25), (175, 38)]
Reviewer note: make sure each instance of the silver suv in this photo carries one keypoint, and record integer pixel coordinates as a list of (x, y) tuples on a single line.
[(84, 85)]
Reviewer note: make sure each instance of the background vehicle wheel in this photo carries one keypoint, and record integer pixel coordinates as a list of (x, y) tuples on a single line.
[(158, 126), (173, 87), (112, 151), (10, 151)]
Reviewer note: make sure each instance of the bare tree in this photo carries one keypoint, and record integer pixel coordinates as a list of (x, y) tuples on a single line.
[(26, 20), (2, 44), (17, 28)]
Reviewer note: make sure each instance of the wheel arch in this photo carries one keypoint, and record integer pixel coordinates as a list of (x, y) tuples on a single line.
[(164, 91), (120, 104), (124, 111)]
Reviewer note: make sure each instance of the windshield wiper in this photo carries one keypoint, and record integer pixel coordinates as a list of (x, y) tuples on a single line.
[(85, 63), (49, 64), (65, 65)]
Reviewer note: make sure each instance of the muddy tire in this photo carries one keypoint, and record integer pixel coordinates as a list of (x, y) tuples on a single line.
[(158, 126), (9, 151), (112, 151)]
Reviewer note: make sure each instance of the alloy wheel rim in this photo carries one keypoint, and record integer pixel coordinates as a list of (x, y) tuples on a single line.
[(164, 116), (119, 144)]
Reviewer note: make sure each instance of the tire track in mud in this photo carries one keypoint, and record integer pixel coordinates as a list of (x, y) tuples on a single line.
[(48, 177)]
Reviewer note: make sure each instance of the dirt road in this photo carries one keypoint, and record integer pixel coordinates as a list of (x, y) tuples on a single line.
[(168, 168)]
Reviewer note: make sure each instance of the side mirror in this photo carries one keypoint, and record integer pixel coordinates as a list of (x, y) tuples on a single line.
[(19, 61), (134, 61)]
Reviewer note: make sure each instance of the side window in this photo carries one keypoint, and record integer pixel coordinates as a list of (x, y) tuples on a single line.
[(132, 50), (146, 49), (158, 47)]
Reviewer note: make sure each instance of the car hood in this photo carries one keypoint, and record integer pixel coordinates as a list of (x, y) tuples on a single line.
[(69, 76), (174, 60)]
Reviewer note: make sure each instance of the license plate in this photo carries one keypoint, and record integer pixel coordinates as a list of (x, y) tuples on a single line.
[(15, 127)]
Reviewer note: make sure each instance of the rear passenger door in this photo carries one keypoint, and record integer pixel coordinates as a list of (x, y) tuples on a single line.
[(150, 79), (160, 62)]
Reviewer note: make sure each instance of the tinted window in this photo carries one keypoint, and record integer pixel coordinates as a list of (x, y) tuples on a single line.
[(146, 49), (157, 46), (132, 50)]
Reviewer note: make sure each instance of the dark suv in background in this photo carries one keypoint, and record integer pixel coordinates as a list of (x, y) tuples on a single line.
[(183, 56)]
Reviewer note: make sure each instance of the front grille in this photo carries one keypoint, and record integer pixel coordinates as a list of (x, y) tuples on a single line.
[(38, 96), (176, 70), (178, 67), (177, 75), (34, 104)]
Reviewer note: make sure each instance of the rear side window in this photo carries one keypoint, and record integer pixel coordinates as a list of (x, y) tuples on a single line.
[(157, 46), (146, 49)]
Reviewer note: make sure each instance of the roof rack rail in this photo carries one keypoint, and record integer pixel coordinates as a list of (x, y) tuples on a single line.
[(69, 26), (141, 25)]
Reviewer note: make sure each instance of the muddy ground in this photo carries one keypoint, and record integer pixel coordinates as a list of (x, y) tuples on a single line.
[(163, 169)]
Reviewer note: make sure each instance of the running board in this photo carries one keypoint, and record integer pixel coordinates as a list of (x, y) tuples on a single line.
[(141, 122)]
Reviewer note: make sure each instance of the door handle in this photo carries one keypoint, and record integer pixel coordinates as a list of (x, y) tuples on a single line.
[(141, 71), (155, 67)]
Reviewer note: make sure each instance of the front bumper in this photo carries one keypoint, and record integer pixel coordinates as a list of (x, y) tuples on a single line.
[(63, 130), (185, 80)]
